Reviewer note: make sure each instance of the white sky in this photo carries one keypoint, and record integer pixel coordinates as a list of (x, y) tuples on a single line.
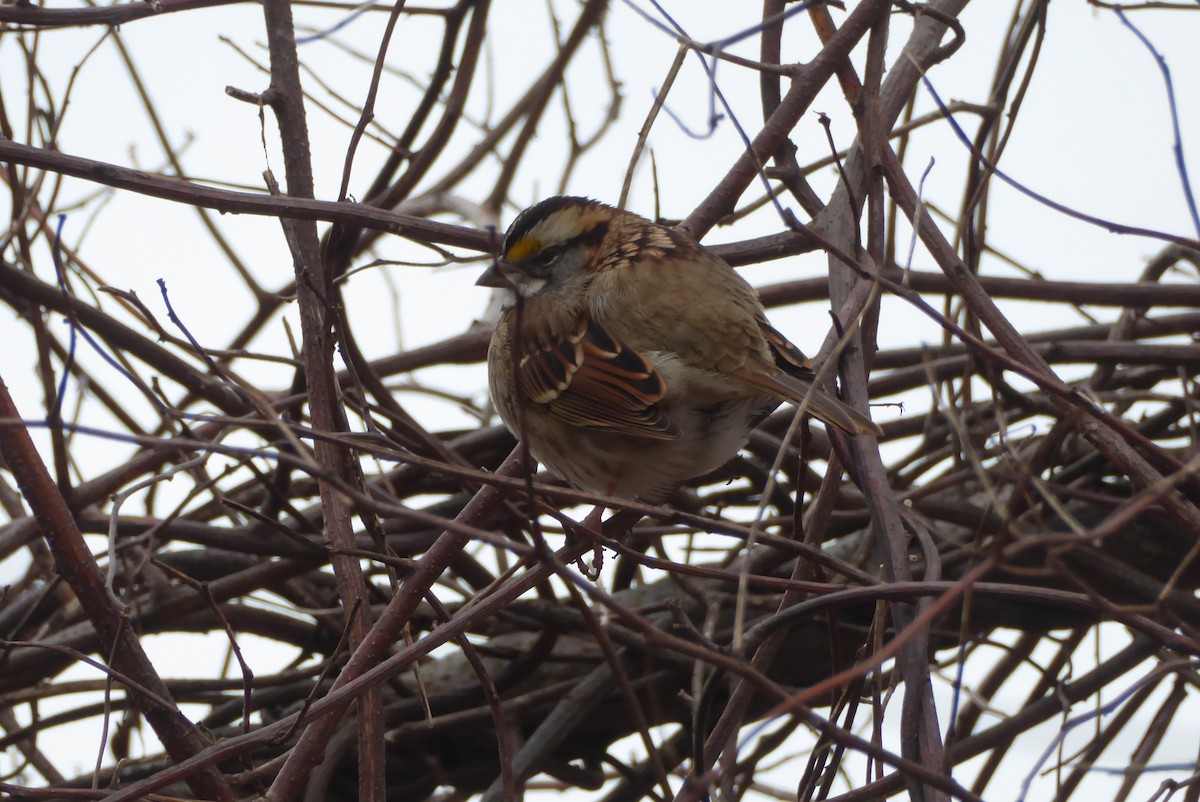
[(1093, 133)]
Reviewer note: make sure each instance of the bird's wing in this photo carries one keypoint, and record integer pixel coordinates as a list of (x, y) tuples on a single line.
[(793, 381), (588, 378)]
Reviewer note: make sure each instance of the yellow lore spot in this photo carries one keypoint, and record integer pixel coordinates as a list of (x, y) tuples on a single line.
[(523, 249)]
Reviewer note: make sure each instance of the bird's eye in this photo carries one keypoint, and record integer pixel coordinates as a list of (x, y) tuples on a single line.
[(544, 260)]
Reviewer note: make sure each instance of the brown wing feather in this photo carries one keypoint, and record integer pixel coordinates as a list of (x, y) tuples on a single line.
[(590, 379), (787, 356), (794, 382)]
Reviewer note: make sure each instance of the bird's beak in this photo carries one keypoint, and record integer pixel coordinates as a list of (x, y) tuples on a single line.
[(495, 277)]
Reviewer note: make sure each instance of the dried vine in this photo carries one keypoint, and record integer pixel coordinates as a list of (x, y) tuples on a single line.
[(822, 619)]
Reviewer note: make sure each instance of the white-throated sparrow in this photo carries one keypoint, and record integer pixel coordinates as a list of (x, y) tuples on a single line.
[(629, 357)]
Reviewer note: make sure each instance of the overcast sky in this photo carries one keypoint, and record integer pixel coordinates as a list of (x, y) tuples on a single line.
[(1094, 133)]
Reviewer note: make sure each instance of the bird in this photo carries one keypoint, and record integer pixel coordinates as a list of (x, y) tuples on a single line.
[(629, 357)]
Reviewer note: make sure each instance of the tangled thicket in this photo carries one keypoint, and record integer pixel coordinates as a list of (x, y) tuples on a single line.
[(824, 619)]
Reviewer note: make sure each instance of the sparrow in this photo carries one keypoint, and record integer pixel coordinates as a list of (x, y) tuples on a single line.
[(629, 358)]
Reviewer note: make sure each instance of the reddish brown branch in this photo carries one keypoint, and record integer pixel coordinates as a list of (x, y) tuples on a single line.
[(74, 562)]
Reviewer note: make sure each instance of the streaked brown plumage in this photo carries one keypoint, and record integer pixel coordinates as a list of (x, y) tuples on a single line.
[(640, 359)]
